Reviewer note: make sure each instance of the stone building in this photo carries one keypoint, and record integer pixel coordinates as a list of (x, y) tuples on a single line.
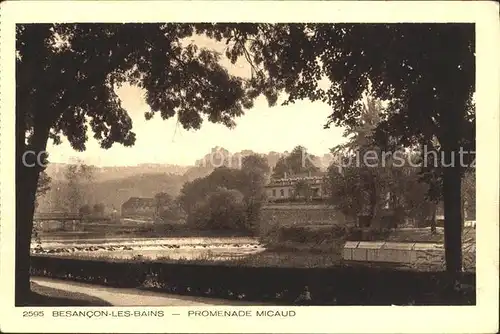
[(139, 207), (285, 189)]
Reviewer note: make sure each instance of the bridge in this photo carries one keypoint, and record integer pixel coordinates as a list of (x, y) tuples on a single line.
[(67, 216)]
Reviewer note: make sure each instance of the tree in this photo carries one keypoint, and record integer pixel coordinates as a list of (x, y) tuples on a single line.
[(162, 200), (302, 190), (256, 171), (168, 208), (360, 133), (256, 164), (43, 184), (66, 75), (371, 177), (85, 210), (98, 209), (344, 190), (297, 162), (425, 71), (73, 192), (469, 194), (248, 181), (44, 181), (362, 151), (223, 209)]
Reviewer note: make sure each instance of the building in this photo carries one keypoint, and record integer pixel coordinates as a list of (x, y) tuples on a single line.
[(139, 207), (294, 187)]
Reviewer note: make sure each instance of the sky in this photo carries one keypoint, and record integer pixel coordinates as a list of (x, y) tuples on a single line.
[(262, 129)]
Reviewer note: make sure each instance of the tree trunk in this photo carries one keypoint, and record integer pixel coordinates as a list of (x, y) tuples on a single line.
[(433, 218), (452, 120), (26, 186), (453, 220), (373, 201)]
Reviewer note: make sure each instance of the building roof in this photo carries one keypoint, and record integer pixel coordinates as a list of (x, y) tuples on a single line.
[(134, 202), (290, 181)]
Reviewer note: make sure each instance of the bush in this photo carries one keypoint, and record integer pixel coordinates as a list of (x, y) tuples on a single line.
[(323, 233), (348, 285), (223, 209)]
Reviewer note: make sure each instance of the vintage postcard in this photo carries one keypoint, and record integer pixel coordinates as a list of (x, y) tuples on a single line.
[(249, 166)]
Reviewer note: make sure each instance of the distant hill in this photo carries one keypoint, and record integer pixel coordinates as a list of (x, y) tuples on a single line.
[(56, 171), (114, 185), (114, 192)]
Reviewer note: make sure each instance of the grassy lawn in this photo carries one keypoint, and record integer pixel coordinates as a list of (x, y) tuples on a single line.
[(424, 235), (44, 296)]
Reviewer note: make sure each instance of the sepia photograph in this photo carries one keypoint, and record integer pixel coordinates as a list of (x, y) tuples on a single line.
[(275, 165)]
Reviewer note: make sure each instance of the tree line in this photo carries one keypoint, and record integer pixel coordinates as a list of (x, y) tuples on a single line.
[(226, 199), (74, 193)]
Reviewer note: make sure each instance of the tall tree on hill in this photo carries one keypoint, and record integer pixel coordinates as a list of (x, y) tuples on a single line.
[(427, 71), (297, 162), (360, 133), (66, 75)]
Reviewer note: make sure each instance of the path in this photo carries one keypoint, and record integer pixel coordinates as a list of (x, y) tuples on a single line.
[(133, 297)]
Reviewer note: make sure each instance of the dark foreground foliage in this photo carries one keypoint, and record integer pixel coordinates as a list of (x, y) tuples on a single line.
[(340, 285)]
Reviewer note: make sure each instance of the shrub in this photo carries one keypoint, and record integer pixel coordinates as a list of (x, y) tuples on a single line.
[(348, 285), (319, 234), (223, 209)]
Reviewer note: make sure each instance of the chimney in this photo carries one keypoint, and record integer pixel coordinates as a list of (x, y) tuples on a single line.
[(285, 175), (309, 173)]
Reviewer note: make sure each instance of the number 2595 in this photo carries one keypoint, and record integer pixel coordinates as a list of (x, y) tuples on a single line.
[(32, 314)]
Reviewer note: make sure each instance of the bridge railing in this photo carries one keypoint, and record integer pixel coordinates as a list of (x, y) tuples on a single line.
[(68, 216), (56, 216)]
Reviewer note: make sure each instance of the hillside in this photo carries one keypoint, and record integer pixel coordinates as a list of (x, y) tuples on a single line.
[(100, 174), (113, 185), (112, 193)]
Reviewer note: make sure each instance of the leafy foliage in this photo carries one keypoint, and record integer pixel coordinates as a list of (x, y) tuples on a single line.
[(297, 162), (167, 208), (222, 209), (469, 193), (94, 59), (72, 194), (256, 171), (303, 190), (43, 184), (66, 75), (85, 210), (424, 71), (249, 181), (98, 209), (367, 177)]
